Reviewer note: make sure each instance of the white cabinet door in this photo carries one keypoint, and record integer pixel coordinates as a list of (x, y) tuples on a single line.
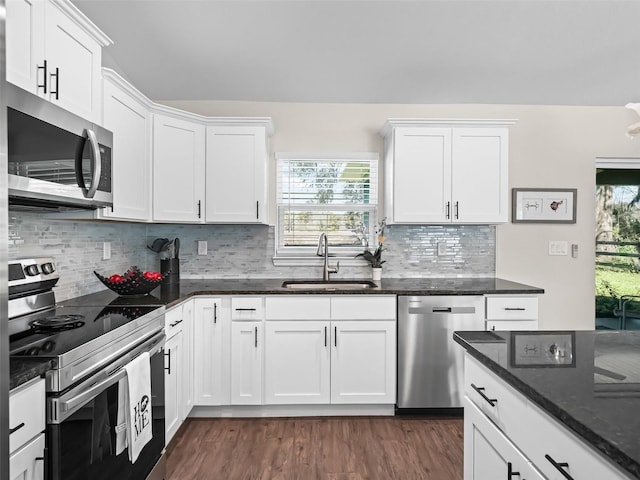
[(237, 174), (479, 171), (130, 122), (27, 463), (247, 346), (421, 175), (173, 385), (187, 359), (74, 61), (178, 170), (363, 362), (208, 352), (488, 454), (25, 43), (297, 359)]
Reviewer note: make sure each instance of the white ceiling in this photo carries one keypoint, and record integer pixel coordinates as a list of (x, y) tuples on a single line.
[(560, 52)]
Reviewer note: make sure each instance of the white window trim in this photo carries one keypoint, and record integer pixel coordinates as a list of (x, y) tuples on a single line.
[(301, 257)]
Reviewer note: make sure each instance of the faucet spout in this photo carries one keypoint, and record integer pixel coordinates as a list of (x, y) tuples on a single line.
[(323, 250)]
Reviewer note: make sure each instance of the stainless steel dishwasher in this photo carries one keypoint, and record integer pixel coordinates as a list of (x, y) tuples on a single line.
[(430, 363)]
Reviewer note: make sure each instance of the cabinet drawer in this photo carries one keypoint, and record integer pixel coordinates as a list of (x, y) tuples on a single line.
[(247, 308), (495, 398), (363, 307), (173, 321), (26, 413), (512, 307), (298, 307), (503, 325), (548, 441)]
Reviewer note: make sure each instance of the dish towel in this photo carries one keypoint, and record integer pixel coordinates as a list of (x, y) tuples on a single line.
[(134, 427)]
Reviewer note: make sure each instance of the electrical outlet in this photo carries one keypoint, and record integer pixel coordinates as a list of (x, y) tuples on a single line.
[(106, 250), (202, 247), (442, 249)]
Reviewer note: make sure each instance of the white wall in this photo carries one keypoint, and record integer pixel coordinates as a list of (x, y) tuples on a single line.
[(550, 147)]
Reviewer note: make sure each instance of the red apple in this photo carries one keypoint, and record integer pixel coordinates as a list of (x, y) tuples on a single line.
[(116, 278)]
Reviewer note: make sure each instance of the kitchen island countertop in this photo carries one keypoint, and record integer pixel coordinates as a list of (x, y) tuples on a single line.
[(594, 391)]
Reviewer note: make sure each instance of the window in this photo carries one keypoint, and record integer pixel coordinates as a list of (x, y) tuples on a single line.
[(336, 194)]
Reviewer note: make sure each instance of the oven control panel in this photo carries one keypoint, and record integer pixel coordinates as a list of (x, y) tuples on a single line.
[(32, 271)]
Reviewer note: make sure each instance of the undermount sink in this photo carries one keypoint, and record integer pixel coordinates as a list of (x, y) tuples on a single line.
[(330, 285)]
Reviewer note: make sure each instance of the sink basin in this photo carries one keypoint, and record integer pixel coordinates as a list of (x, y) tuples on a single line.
[(331, 285)]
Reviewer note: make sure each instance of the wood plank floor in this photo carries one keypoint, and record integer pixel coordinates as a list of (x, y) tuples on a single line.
[(334, 448)]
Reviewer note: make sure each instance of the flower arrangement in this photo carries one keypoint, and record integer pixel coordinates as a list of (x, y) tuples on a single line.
[(375, 257)]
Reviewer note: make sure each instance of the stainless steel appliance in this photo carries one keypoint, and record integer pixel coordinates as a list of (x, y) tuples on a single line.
[(430, 364), (55, 158), (89, 343)]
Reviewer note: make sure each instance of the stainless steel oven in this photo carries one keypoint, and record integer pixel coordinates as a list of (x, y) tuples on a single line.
[(56, 159), (88, 341)]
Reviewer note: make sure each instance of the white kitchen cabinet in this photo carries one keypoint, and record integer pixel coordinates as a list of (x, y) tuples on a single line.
[(126, 113), (247, 349), (55, 52), (511, 312), (27, 463), (440, 172), (363, 362), (188, 358), (488, 454), (209, 360), (237, 174), (297, 362), (178, 169), (26, 424), (173, 381)]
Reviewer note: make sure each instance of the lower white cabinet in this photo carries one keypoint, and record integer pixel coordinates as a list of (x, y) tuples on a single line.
[(297, 362), (247, 348), (488, 454), (27, 463), (363, 362), (173, 386), (26, 424), (209, 362)]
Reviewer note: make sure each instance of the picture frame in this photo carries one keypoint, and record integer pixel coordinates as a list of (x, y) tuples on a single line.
[(544, 205)]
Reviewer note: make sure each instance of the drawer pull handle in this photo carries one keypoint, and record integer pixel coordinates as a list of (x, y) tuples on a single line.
[(245, 309), (559, 466), (510, 472), (480, 390), (16, 428), (175, 323), (518, 309)]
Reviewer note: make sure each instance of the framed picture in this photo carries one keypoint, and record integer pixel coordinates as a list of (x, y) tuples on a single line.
[(543, 349), (551, 205)]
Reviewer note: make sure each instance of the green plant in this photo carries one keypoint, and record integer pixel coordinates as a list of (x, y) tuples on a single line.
[(375, 257)]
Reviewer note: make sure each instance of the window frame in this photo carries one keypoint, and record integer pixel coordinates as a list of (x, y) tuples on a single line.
[(307, 255)]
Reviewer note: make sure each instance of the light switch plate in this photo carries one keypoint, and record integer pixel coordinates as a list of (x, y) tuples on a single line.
[(106, 250), (202, 247), (558, 247)]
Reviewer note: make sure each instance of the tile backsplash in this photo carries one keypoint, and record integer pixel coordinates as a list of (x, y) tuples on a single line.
[(234, 251)]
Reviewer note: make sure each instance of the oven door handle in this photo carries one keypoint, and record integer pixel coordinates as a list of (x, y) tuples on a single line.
[(63, 408)]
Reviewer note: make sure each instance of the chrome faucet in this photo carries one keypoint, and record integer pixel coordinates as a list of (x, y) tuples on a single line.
[(323, 251)]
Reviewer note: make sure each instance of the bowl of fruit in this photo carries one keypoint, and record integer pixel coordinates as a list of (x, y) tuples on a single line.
[(133, 282)]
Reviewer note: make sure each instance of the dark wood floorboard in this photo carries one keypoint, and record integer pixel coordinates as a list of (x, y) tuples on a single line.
[(333, 448)]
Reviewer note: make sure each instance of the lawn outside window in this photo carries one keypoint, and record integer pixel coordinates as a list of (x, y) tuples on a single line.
[(332, 193)]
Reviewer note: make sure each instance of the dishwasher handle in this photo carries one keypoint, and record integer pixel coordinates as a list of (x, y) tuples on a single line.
[(445, 310)]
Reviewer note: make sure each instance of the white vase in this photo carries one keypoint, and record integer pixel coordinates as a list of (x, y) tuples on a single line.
[(376, 274)]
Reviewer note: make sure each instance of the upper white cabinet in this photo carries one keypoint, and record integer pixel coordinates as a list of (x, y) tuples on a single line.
[(55, 52), (178, 169), (237, 173), (126, 113), (444, 171)]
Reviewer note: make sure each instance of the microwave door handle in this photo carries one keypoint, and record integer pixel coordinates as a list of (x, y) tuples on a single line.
[(97, 164)]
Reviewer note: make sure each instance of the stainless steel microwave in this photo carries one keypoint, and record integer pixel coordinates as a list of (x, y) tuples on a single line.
[(55, 158)]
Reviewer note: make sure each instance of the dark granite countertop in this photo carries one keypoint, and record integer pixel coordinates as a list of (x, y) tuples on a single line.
[(21, 370), (173, 294), (594, 392)]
